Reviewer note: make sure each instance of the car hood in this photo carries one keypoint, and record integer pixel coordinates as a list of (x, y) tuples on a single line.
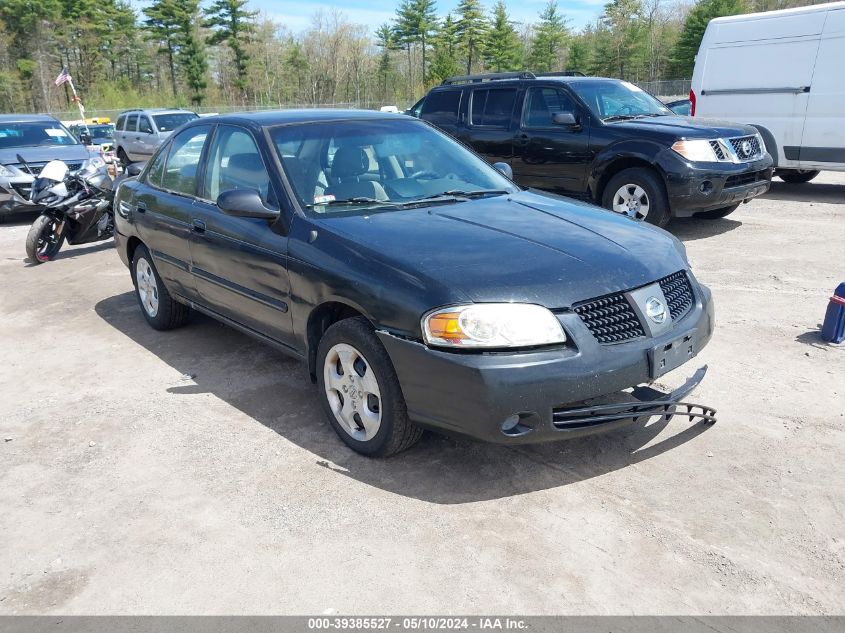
[(685, 127), (528, 247), (43, 153)]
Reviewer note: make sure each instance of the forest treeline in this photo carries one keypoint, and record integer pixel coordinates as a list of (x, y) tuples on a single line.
[(221, 52)]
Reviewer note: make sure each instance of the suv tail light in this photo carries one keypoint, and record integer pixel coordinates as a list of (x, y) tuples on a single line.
[(692, 102)]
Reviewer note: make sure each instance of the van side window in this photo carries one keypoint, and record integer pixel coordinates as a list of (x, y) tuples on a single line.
[(132, 123), (542, 104), (120, 121), (493, 107), (441, 106)]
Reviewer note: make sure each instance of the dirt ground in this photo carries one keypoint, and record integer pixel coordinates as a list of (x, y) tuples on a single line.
[(193, 472)]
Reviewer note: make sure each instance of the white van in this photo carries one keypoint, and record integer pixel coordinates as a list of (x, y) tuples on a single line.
[(784, 73)]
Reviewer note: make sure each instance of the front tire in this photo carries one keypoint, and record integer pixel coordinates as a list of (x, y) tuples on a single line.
[(637, 192), (798, 176), (715, 214), (44, 240), (123, 158), (360, 392), (160, 310)]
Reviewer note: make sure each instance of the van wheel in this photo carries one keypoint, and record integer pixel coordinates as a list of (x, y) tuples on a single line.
[(715, 214), (638, 193), (360, 392), (160, 310), (798, 176)]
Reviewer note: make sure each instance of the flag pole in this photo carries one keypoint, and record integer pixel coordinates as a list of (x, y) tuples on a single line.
[(79, 104)]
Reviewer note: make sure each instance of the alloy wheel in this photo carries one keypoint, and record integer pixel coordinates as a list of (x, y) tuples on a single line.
[(147, 286), (631, 200), (352, 391)]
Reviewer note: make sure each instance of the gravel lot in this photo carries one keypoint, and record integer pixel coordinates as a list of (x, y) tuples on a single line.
[(193, 472)]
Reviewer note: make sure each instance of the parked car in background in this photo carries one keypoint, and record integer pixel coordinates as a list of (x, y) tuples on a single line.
[(376, 255), (37, 139), (138, 133), (780, 71), (681, 107), (606, 140), (97, 137)]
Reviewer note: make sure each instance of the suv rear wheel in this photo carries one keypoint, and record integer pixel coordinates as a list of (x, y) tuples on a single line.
[(360, 392), (638, 193)]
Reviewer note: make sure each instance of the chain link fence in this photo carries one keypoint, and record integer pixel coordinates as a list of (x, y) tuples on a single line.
[(666, 89)]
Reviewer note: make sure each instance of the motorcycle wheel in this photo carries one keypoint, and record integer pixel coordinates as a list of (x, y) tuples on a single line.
[(44, 239)]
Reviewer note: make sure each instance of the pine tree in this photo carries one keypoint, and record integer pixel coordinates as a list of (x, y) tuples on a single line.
[(471, 30), (549, 39), (415, 22), (191, 57), (233, 24), (686, 48), (445, 63), (386, 41), (502, 48), (162, 25)]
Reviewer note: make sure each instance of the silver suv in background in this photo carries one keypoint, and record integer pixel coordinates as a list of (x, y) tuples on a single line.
[(138, 133)]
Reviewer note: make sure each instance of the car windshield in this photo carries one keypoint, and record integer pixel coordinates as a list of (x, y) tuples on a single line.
[(612, 100), (169, 122), (349, 167), (23, 134), (100, 131)]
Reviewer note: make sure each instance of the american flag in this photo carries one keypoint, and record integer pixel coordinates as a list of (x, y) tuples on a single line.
[(63, 77)]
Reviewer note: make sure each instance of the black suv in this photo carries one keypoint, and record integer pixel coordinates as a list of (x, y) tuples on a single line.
[(603, 139)]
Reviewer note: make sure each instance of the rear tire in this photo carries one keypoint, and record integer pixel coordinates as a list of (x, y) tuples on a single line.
[(360, 392), (42, 242), (160, 310), (715, 214), (798, 176), (123, 158), (638, 192)]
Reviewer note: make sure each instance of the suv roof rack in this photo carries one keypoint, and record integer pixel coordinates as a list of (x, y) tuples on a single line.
[(473, 79), (563, 73)]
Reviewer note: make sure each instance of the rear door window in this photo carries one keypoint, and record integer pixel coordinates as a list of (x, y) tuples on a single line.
[(493, 107), (156, 170), (183, 159), (441, 106), (120, 122), (132, 123)]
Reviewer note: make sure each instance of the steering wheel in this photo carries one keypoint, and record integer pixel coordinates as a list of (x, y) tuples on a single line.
[(626, 109)]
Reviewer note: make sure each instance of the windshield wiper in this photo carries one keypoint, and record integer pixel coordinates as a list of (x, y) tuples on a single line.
[(620, 117), (355, 200), (460, 193)]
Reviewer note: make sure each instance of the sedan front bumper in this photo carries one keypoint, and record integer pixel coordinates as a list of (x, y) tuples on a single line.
[(14, 195), (530, 396)]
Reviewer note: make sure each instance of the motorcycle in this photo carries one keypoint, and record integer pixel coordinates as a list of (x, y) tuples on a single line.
[(78, 207)]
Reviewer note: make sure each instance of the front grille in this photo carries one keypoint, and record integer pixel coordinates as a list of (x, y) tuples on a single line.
[(744, 179), (611, 319), (678, 292), (22, 189), (746, 147), (36, 168), (717, 149)]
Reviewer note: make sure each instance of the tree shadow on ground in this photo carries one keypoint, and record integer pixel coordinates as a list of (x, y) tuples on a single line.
[(439, 469)]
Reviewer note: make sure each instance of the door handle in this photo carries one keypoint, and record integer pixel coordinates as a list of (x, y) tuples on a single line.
[(141, 207), (198, 226)]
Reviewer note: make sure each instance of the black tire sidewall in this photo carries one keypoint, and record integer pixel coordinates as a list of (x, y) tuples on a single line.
[(358, 333), (797, 177), (659, 212), (716, 214), (167, 306), (41, 223)]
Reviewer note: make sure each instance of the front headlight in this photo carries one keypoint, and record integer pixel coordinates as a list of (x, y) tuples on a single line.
[(696, 150), (490, 325), (760, 140), (4, 171), (96, 161)]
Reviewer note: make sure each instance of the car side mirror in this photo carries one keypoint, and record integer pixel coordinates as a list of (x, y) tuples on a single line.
[(245, 203), (85, 138), (504, 169), (135, 169), (565, 118)]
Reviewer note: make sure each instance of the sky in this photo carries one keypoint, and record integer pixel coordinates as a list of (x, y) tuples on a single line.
[(296, 15)]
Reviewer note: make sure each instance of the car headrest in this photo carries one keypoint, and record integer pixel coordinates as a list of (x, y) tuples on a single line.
[(350, 162)]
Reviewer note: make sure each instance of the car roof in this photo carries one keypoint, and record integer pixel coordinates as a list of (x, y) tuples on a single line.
[(26, 118), (269, 118), (526, 80), (157, 111)]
